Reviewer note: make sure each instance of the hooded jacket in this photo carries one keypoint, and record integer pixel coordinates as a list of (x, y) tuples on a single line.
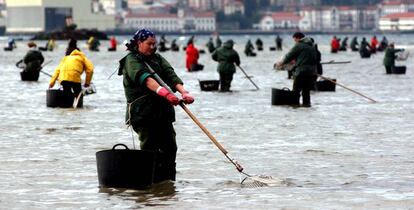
[(71, 68), (145, 106), (304, 54), (226, 56), (33, 60), (192, 56), (364, 46)]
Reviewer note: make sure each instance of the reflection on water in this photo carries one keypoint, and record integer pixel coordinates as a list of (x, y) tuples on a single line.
[(342, 153), (152, 196)]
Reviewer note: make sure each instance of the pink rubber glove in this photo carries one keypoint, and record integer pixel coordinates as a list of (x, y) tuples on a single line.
[(162, 91), (187, 98)]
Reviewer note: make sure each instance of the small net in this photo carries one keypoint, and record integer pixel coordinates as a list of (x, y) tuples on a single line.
[(402, 56), (261, 181)]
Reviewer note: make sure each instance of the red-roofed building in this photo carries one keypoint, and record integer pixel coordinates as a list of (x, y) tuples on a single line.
[(397, 22), (280, 20)]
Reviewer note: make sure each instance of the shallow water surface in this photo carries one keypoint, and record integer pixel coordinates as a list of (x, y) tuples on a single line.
[(344, 152)]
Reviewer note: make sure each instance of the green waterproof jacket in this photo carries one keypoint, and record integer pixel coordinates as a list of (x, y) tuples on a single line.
[(33, 60), (248, 48), (354, 44), (226, 56), (364, 47), (389, 57), (210, 46), (304, 54), (145, 107)]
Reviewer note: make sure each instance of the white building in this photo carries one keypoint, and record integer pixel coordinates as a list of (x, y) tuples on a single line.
[(138, 3), (279, 20), (30, 16), (233, 6), (202, 21), (111, 7), (339, 18), (393, 6), (397, 22), (205, 5)]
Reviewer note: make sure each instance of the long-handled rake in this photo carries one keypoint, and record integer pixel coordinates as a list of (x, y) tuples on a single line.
[(250, 180)]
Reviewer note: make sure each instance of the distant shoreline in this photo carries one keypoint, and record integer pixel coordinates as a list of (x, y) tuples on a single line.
[(127, 32), (256, 32)]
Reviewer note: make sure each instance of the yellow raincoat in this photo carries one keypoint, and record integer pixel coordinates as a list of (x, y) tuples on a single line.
[(71, 68)]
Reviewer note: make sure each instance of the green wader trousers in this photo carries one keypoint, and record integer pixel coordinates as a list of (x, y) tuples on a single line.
[(303, 84), (161, 140), (225, 81)]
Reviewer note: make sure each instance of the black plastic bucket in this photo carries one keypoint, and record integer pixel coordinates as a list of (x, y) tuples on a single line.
[(325, 85), (252, 54), (399, 69), (58, 98), (52, 98), (284, 97), (365, 54), (209, 85), (125, 168), (29, 76), (197, 67)]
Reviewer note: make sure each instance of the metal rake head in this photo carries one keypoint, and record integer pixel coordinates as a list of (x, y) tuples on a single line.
[(261, 181)]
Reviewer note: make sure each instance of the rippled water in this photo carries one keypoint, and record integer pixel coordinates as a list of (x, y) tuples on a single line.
[(343, 153)]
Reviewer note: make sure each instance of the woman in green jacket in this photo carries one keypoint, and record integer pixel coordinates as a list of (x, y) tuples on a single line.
[(150, 109)]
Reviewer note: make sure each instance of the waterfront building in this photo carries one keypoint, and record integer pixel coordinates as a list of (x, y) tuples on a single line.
[(279, 20), (397, 22), (200, 21), (339, 18), (233, 6), (31, 16), (207, 5)]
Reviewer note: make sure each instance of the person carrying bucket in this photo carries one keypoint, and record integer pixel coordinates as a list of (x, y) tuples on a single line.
[(70, 69), (389, 57), (305, 67), (227, 57), (150, 108)]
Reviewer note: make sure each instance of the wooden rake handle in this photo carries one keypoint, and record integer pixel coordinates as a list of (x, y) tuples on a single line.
[(203, 128), (212, 138), (347, 88), (248, 77)]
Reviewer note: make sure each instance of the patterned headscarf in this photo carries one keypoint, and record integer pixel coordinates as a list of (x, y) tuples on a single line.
[(143, 34)]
